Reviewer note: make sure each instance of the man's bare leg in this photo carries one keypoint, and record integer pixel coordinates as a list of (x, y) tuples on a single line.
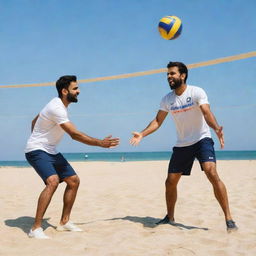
[(69, 197), (171, 193), (219, 188), (44, 200), (220, 193)]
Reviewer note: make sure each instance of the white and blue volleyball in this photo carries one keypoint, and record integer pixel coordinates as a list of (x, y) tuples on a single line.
[(170, 27)]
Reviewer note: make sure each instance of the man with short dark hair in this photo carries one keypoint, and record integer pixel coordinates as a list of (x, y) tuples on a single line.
[(48, 127), (191, 113)]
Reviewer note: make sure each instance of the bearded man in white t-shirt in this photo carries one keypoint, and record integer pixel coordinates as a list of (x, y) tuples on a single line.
[(48, 128), (192, 116)]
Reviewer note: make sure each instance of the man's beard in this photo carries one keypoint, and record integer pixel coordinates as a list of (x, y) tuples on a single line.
[(71, 97), (176, 84)]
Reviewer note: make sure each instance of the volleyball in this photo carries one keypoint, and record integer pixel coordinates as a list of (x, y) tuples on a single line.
[(170, 27)]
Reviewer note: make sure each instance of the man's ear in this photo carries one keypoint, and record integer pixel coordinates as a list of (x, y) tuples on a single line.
[(183, 76), (64, 91)]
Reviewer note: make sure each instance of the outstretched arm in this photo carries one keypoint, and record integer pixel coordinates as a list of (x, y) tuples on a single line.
[(152, 127), (212, 122), (107, 142)]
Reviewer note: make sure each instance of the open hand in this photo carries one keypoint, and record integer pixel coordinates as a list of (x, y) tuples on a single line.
[(137, 137), (109, 142)]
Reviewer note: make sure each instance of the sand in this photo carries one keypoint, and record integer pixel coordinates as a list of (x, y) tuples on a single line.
[(117, 207)]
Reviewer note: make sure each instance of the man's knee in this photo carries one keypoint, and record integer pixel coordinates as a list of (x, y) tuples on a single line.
[(73, 181), (212, 174), (172, 180), (52, 182)]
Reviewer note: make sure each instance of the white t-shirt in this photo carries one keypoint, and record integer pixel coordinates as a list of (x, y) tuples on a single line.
[(189, 120), (47, 132)]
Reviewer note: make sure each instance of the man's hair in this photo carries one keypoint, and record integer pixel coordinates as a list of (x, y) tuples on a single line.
[(181, 67), (63, 83)]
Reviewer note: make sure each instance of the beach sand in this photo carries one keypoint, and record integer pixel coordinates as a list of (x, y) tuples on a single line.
[(117, 206)]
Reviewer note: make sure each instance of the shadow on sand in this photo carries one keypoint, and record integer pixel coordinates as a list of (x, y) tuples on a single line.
[(25, 223), (150, 222)]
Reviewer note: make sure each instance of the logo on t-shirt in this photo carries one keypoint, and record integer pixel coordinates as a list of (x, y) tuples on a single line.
[(182, 108), (188, 99)]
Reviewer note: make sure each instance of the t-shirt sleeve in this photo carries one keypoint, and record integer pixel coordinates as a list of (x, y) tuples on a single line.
[(163, 105), (59, 115), (201, 97)]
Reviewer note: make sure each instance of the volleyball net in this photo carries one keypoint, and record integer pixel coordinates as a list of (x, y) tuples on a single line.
[(143, 73)]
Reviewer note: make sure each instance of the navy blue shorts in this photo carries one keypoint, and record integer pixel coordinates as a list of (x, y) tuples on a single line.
[(183, 157), (47, 164)]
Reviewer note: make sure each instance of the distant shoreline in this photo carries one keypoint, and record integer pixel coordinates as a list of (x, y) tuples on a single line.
[(134, 157), (26, 165)]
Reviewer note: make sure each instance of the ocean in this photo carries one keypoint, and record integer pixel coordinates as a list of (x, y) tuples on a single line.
[(136, 156)]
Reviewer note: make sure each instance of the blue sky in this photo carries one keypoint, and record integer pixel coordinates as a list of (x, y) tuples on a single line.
[(43, 40)]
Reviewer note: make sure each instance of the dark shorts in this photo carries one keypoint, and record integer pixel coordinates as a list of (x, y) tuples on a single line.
[(183, 157), (47, 164)]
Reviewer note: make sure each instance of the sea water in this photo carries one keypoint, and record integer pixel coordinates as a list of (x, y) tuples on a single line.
[(136, 156)]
